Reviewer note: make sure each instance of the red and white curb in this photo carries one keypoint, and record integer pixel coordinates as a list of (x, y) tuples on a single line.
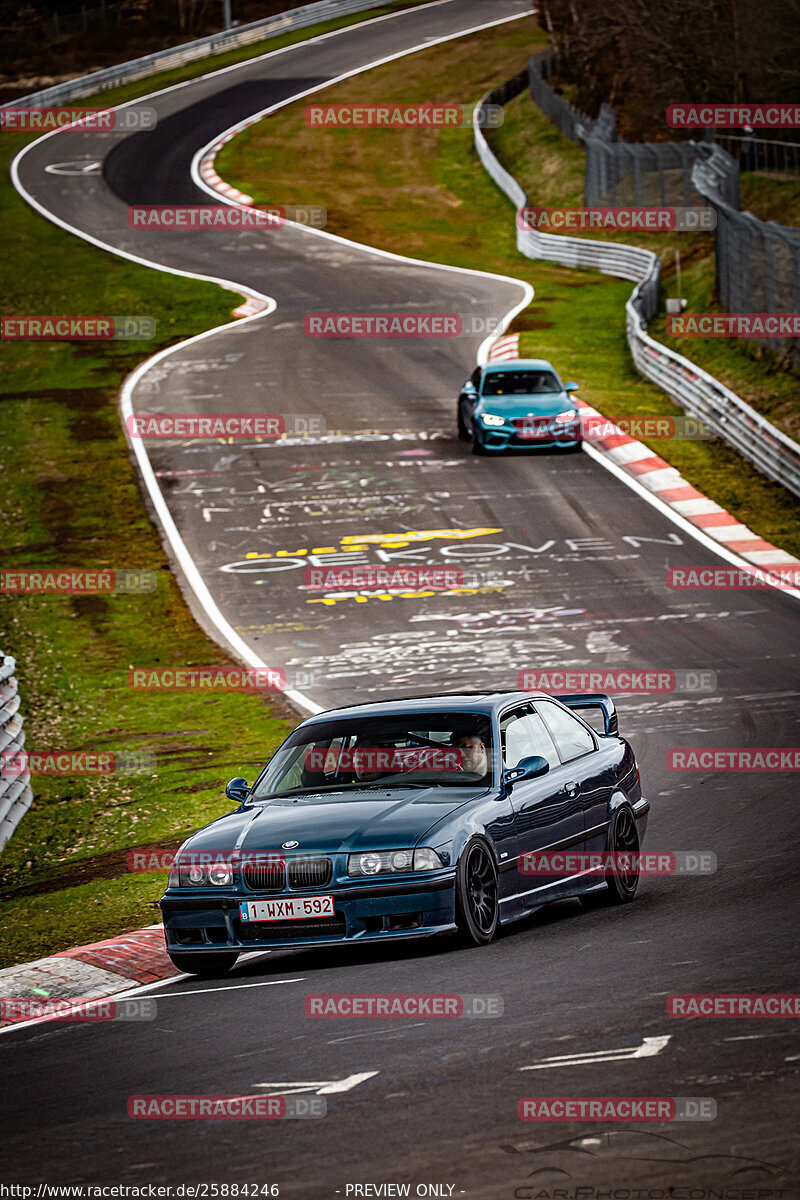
[(209, 174), (88, 972), (505, 347), (667, 483)]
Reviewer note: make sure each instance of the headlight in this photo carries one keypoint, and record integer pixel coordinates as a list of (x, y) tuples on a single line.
[(200, 870), (393, 862), (492, 419), (569, 414), (220, 873)]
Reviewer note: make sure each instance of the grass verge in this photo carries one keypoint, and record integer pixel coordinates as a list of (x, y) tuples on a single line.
[(425, 194)]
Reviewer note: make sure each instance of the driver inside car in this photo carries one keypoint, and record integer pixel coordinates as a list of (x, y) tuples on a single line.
[(474, 757)]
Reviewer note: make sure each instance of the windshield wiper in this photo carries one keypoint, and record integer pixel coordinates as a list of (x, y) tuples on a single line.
[(339, 788), (389, 786)]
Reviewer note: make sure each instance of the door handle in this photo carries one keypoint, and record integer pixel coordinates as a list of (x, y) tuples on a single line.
[(572, 788)]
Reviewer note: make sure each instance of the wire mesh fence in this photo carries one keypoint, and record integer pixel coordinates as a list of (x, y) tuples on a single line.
[(573, 123), (757, 262), (650, 173), (763, 156)]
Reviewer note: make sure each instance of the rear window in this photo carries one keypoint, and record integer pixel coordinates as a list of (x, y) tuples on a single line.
[(519, 383)]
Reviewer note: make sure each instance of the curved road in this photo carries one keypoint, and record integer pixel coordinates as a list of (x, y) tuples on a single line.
[(582, 561)]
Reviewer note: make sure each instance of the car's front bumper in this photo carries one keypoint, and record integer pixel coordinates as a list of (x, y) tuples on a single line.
[(509, 437), (202, 920)]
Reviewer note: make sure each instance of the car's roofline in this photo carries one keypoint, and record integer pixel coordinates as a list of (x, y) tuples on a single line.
[(519, 364), (484, 702)]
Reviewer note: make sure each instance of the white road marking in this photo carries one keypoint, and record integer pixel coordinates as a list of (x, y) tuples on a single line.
[(351, 1037), (234, 987), (73, 168), (650, 1046), (756, 1037), (325, 1087)]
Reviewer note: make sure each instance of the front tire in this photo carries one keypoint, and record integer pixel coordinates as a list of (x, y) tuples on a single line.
[(477, 445), (477, 905), (463, 427), (207, 966)]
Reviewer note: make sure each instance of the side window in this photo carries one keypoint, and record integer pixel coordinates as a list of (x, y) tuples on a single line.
[(524, 733), (540, 739), (571, 738)]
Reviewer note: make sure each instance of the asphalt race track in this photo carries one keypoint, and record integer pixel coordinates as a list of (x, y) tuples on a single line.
[(582, 560)]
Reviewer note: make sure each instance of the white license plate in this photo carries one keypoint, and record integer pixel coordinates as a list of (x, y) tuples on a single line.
[(293, 908)]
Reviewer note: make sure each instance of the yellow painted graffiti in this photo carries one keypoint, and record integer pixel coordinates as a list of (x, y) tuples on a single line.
[(384, 540), (363, 597)]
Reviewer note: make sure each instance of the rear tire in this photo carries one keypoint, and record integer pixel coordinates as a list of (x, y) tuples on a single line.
[(207, 966), (623, 837), (477, 906)]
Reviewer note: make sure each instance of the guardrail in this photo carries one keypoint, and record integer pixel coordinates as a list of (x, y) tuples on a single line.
[(756, 439), (178, 56), (15, 790)]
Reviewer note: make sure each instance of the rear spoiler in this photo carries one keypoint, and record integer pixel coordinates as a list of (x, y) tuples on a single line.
[(594, 700)]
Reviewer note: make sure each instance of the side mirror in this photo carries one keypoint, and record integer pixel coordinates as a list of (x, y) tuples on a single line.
[(570, 387), (238, 790), (530, 767)]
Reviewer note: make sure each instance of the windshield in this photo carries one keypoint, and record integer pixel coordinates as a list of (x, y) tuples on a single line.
[(519, 383), (404, 750)]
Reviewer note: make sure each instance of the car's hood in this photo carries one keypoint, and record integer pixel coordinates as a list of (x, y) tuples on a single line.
[(330, 822), (541, 405)]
